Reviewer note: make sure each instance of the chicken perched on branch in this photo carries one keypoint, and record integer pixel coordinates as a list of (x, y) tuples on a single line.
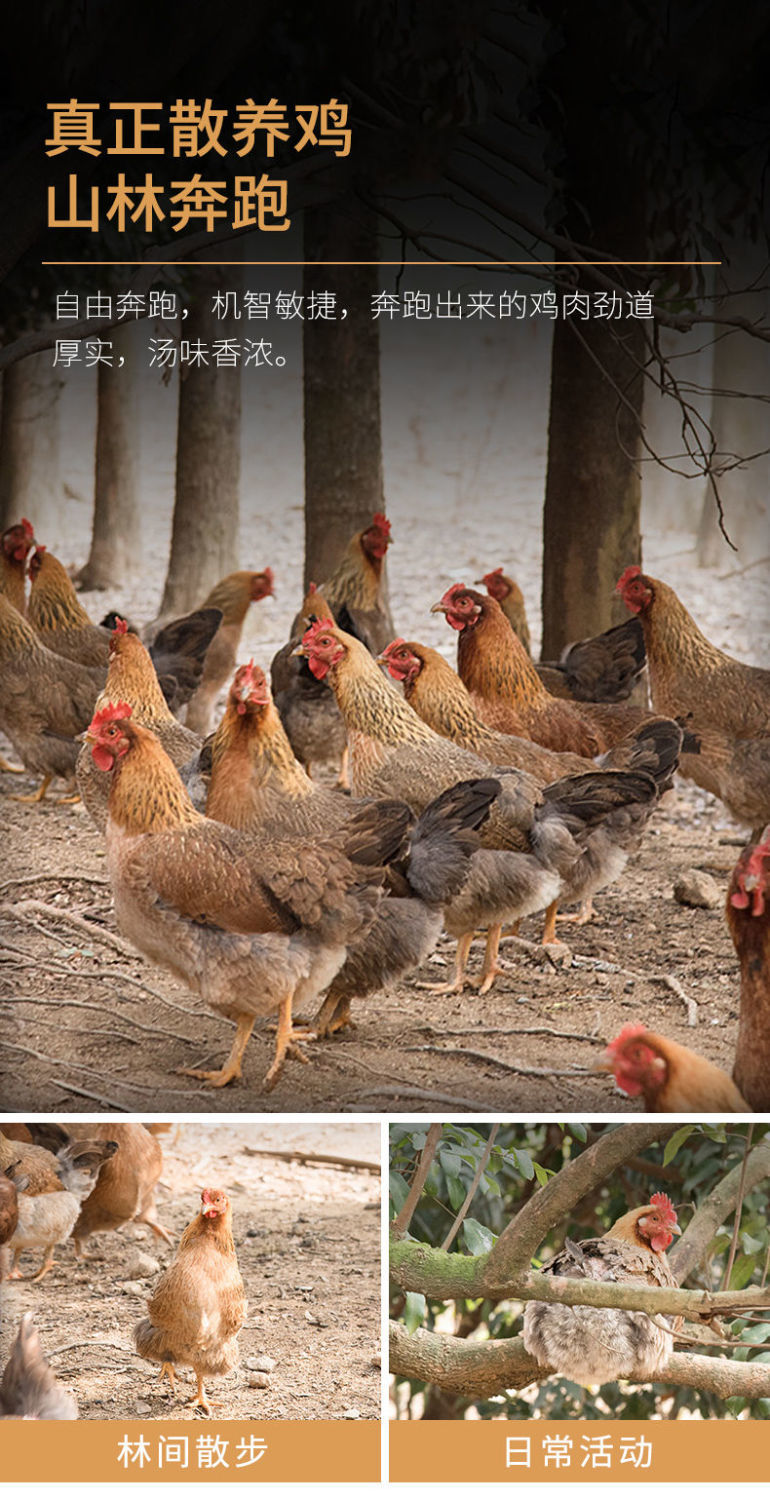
[(232, 595), (604, 668), (748, 919), (199, 1305), (507, 691), (669, 1077), (15, 545), (594, 1345), (29, 1389), (249, 922), (563, 843), (726, 703), (257, 784)]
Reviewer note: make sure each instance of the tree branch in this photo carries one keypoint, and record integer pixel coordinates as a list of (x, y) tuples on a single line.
[(472, 1189), (401, 1222), (713, 1211)]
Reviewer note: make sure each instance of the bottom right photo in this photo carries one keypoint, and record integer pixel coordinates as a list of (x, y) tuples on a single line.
[(567, 1272)]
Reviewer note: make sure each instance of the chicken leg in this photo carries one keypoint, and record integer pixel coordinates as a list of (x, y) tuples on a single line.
[(35, 796), (286, 1044), (461, 957), (490, 968), (231, 1070)]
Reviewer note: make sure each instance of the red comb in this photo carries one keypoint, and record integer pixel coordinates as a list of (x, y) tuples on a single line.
[(627, 577), (496, 572), (381, 523), (27, 529), (121, 627), (114, 712), (750, 876), (318, 628), (394, 644), (268, 573), (38, 552), (664, 1202), (628, 1032)]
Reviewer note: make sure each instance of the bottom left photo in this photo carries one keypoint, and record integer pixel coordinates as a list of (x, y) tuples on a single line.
[(171, 1271)]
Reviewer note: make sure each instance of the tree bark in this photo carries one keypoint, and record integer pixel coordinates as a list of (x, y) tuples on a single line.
[(204, 541), (116, 534), (341, 360), (30, 480)]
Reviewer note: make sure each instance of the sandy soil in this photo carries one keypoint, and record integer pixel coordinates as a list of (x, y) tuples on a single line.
[(308, 1244)]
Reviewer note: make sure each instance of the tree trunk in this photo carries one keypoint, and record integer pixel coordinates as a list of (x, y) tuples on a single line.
[(30, 480), (343, 442), (115, 538), (593, 484), (204, 541)]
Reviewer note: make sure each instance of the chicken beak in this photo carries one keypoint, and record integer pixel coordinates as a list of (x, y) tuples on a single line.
[(299, 650), (604, 1063), (675, 1229), (438, 608)]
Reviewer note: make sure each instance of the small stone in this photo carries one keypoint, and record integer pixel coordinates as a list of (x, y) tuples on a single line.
[(141, 1266), (262, 1364), (351, 1414), (142, 1407), (258, 1380), (697, 889)]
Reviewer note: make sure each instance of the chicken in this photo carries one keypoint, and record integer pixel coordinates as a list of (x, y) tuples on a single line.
[(132, 678), (257, 783), (50, 1203), (45, 700), (314, 724), (394, 752), (232, 595), (355, 592), (725, 702), (604, 668), (748, 920), (669, 1077), (29, 1390), (9, 1208), (125, 1187), (199, 1305), (58, 616), (595, 1345), (507, 691), (247, 921), (15, 545)]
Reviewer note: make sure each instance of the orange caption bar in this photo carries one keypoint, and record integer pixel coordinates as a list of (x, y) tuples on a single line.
[(476, 1451), (192, 1451)]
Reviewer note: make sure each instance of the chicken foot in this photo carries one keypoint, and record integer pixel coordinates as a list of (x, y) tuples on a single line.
[(231, 1071), (461, 957), (150, 1222), (491, 967), (46, 1266), (200, 1402), (7, 769), (167, 1371), (35, 796), (286, 1044), (333, 1015)]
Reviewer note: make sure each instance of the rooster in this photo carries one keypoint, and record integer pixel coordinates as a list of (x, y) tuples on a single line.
[(595, 1345), (29, 1389), (233, 596), (669, 1077), (256, 783), (248, 921), (199, 1305), (604, 668), (565, 832), (749, 924), (507, 691)]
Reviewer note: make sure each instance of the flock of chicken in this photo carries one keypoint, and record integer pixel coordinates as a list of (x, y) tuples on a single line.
[(58, 1183), (479, 797)]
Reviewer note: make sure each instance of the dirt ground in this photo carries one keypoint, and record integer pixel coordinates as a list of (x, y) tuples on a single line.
[(308, 1244), (87, 1025)]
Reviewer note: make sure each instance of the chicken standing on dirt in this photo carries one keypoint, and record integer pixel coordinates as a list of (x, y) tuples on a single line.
[(29, 1389), (249, 922), (726, 704), (568, 840), (748, 920), (257, 784), (199, 1305), (594, 1344), (507, 691), (124, 1190), (232, 595), (669, 1077), (50, 1201)]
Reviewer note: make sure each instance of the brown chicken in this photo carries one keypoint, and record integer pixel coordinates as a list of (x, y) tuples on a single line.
[(565, 841), (15, 545), (199, 1305), (725, 703), (49, 1202), (29, 1389), (9, 1208), (233, 595), (594, 1344), (247, 921), (125, 1187), (56, 613), (748, 919), (604, 668), (257, 784), (669, 1077), (355, 592), (132, 678), (507, 691), (314, 725)]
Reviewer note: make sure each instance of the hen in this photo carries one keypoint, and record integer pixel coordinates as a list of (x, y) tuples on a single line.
[(355, 592), (669, 1077), (748, 919), (314, 725), (124, 1190), (232, 595), (15, 545), (257, 784), (199, 1305), (50, 1202), (726, 703), (29, 1390), (594, 1345), (247, 921), (394, 752), (507, 691), (131, 678), (604, 668)]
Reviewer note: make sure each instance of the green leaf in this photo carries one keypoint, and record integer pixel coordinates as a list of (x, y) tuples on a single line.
[(478, 1239), (399, 1191), (580, 1131), (456, 1192), (676, 1141), (743, 1269), (414, 1311), (542, 1173), (524, 1163)]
